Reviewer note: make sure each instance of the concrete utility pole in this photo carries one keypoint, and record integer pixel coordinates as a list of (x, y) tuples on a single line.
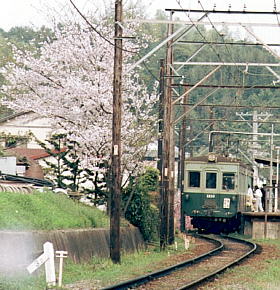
[(116, 138)]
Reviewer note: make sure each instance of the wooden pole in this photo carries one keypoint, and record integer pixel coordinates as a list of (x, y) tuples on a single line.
[(116, 139), (160, 117), (162, 161), (169, 62), (166, 206)]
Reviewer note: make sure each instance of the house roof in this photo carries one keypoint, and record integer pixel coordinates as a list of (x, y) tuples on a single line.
[(12, 116), (28, 152), (32, 153)]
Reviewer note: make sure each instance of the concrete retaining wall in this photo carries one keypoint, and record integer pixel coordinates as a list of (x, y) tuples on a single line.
[(272, 231), (18, 249)]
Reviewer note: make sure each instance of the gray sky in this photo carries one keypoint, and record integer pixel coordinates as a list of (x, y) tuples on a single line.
[(35, 12), (26, 12)]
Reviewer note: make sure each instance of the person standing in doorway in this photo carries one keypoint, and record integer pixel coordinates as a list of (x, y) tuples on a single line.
[(250, 196), (263, 198), (258, 196)]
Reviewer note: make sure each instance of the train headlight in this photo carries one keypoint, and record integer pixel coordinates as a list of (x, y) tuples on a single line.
[(212, 157), (233, 198), (187, 196)]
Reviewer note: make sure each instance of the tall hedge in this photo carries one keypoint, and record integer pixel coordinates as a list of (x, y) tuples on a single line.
[(138, 205)]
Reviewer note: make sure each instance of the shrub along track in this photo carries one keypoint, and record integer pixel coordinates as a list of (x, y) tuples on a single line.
[(193, 272)]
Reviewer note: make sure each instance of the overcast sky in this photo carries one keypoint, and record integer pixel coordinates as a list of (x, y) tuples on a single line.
[(35, 12), (26, 12)]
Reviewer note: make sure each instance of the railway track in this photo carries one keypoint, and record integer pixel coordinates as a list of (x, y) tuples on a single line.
[(194, 272)]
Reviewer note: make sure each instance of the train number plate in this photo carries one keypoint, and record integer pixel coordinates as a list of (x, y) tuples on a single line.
[(226, 203), (210, 196)]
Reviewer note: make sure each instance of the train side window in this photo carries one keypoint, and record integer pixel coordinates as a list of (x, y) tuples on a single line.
[(194, 179), (228, 181), (211, 180)]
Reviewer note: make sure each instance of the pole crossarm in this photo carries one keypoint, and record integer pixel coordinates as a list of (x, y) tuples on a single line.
[(244, 12), (196, 22), (196, 105), (196, 85), (230, 121), (259, 64), (230, 86), (240, 133), (231, 106), (226, 43)]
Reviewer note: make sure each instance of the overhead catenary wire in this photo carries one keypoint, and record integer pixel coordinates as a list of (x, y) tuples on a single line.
[(210, 42), (213, 26)]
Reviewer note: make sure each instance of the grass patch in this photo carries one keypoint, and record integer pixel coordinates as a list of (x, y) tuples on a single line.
[(47, 211), (102, 272), (99, 272)]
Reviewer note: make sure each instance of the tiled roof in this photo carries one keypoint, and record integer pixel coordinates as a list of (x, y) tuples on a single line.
[(31, 153)]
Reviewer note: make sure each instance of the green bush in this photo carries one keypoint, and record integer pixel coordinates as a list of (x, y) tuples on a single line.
[(138, 206)]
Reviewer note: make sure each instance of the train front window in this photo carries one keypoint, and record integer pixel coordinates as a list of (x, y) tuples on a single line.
[(228, 181), (194, 179), (211, 180)]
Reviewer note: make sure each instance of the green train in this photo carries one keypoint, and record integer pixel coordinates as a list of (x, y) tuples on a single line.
[(215, 192)]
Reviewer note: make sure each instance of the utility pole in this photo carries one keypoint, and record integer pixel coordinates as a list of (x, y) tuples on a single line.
[(170, 132), (162, 160), (165, 205), (116, 139), (160, 117)]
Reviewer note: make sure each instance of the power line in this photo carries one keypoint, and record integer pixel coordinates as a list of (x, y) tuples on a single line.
[(231, 106), (96, 30), (223, 11), (229, 43), (228, 86), (232, 121)]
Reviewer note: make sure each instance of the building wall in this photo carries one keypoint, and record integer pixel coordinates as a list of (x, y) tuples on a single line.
[(40, 127)]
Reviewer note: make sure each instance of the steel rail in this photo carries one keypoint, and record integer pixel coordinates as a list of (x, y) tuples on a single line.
[(166, 271), (157, 274), (225, 267)]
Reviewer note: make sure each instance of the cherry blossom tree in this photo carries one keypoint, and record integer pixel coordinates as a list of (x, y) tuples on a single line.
[(70, 81)]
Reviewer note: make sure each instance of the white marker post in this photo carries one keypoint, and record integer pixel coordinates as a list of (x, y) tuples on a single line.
[(187, 243), (48, 258), (60, 255), (49, 265)]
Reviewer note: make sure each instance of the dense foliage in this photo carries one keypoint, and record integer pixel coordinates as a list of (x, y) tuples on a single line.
[(139, 205)]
